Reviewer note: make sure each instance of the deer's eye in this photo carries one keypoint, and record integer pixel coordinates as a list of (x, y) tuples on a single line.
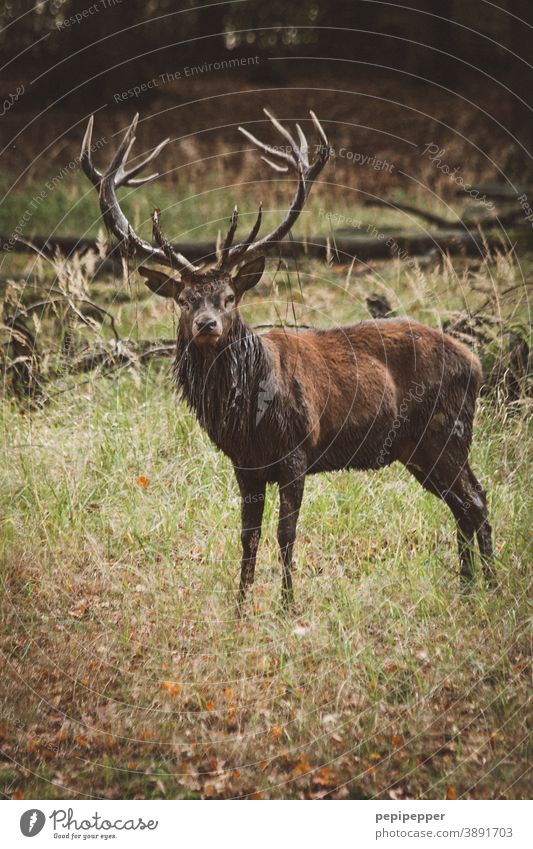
[(183, 304), (230, 299)]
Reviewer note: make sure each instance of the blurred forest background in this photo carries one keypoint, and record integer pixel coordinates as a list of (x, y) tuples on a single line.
[(469, 61)]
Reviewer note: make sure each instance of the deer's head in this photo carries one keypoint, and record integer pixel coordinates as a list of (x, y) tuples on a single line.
[(208, 300), (208, 297)]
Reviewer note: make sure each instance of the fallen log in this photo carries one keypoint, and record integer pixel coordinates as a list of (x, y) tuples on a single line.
[(505, 218), (340, 248), (348, 243)]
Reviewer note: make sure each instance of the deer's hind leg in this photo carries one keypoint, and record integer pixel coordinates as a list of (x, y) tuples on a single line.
[(451, 479), (483, 530)]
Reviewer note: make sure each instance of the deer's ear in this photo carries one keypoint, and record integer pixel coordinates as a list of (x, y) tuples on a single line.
[(249, 275), (160, 283)]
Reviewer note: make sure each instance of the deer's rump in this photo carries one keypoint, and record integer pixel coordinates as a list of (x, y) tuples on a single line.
[(375, 391)]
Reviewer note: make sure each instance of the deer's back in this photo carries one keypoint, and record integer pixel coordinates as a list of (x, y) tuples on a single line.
[(358, 381)]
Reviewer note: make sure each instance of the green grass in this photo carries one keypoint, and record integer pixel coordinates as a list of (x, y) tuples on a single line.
[(126, 672), (198, 202)]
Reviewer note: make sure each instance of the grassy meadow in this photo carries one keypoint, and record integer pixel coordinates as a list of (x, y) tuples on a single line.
[(126, 672)]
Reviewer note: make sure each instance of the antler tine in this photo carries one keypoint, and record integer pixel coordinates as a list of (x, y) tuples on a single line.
[(239, 250), (282, 169), (304, 147), (174, 258), (113, 178), (223, 251), (297, 159), (319, 128), (228, 241), (126, 177), (281, 154), (85, 156), (257, 226), (117, 163), (125, 158), (284, 132)]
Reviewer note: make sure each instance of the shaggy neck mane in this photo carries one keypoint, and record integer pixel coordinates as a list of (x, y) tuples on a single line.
[(222, 384)]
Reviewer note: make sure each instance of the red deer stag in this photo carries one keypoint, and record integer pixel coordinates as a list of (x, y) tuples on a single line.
[(282, 405)]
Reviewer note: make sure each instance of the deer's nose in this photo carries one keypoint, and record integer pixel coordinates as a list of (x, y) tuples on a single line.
[(205, 324)]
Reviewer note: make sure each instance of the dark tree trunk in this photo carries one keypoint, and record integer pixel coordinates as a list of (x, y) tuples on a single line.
[(521, 82)]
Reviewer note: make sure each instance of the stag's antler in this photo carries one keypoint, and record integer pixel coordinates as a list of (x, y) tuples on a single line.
[(107, 183), (294, 157)]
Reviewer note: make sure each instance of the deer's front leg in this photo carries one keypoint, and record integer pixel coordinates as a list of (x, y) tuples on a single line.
[(290, 499), (252, 505)]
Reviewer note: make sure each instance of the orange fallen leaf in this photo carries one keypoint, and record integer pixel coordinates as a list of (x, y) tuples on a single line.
[(228, 693), (451, 792), (18, 794), (275, 732), (255, 796), (142, 480), (210, 705), (396, 740), (81, 741), (171, 687), (302, 766), (325, 777)]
